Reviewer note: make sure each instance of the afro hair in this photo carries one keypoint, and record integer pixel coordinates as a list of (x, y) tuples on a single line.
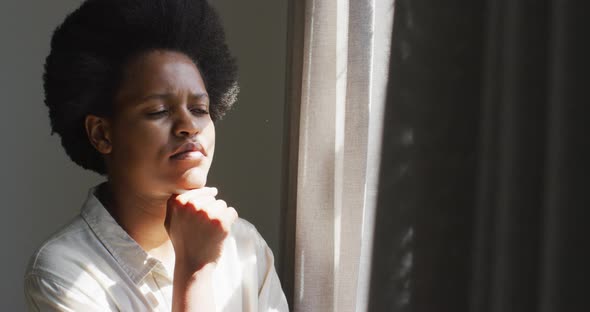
[(90, 49)]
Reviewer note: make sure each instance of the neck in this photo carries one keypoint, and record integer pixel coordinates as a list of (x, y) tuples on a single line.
[(141, 216)]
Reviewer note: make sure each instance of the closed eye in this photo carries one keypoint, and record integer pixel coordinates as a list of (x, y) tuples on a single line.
[(158, 113), (199, 111)]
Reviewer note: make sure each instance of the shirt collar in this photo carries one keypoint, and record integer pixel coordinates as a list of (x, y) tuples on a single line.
[(130, 256)]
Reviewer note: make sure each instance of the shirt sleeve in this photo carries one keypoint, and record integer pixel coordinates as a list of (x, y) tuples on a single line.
[(52, 294), (271, 297)]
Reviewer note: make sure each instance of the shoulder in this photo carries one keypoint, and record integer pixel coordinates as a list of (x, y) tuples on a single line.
[(251, 245), (244, 227), (245, 233), (58, 271), (67, 256), (56, 251)]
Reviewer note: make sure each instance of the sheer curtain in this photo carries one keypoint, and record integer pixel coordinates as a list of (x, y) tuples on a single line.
[(338, 94)]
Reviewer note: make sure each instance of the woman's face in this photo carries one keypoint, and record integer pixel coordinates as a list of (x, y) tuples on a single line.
[(161, 110)]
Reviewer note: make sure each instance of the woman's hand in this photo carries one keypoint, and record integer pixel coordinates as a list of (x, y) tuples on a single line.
[(197, 224)]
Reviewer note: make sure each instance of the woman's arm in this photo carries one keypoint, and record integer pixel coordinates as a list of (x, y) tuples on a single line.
[(197, 224), (193, 291)]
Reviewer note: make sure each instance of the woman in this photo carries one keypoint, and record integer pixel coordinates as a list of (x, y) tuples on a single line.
[(133, 89)]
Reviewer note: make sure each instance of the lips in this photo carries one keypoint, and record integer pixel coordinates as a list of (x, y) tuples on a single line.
[(189, 151)]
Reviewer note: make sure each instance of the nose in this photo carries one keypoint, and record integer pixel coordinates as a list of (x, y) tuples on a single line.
[(186, 124)]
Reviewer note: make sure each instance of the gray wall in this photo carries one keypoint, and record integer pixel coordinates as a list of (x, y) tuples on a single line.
[(41, 189)]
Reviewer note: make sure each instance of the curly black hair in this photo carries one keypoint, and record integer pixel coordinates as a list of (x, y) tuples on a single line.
[(90, 49)]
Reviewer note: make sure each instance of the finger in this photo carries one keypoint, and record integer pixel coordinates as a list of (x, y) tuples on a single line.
[(228, 217), (201, 189), (215, 209), (200, 202), (205, 191), (231, 214)]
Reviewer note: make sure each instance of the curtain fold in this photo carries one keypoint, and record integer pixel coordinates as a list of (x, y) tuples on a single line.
[(483, 196)]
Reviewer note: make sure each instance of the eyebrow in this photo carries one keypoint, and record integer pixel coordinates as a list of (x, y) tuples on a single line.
[(164, 96)]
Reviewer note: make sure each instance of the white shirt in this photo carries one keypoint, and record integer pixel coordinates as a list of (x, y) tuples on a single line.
[(92, 264)]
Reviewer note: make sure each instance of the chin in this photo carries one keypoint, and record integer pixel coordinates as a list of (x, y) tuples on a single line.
[(192, 179)]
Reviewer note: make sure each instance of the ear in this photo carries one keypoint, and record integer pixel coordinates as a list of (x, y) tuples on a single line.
[(99, 133)]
